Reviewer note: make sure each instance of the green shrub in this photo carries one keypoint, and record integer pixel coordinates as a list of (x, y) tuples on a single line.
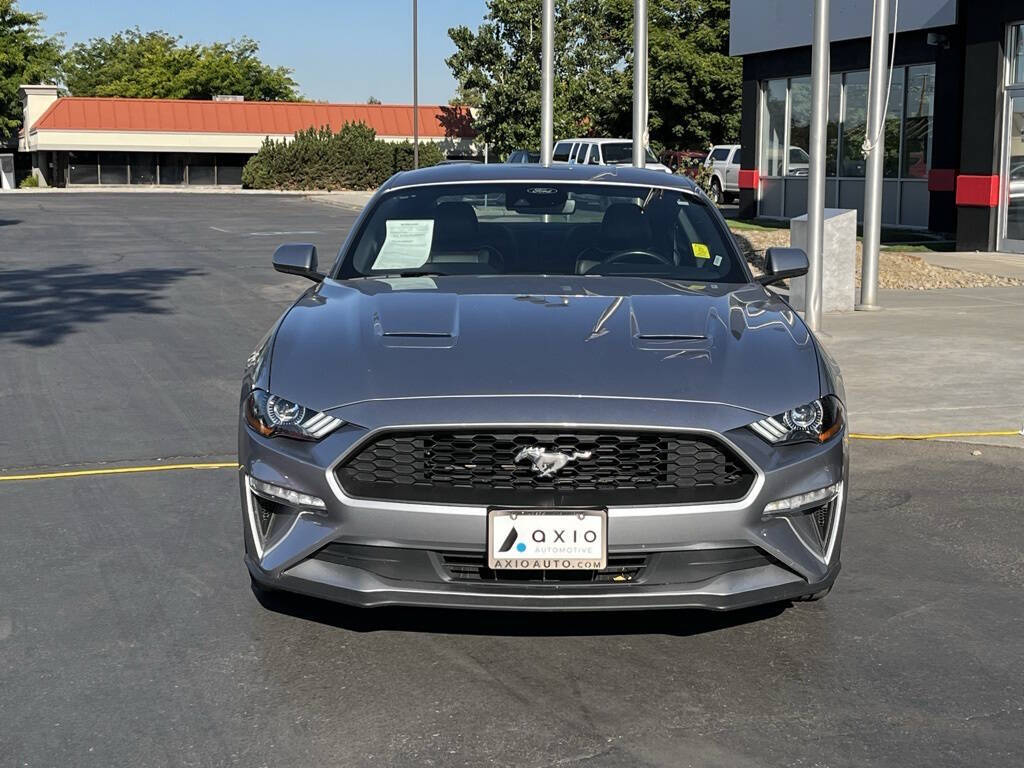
[(697, 171), (29, 181), (352, 158)]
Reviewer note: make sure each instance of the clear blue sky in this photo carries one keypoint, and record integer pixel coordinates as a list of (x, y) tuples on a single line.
[(340, 50)]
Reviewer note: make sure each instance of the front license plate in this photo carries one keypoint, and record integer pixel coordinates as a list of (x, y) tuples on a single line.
[(542, 540)]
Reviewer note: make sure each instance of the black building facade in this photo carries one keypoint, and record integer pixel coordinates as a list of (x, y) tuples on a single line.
[(954, 128)]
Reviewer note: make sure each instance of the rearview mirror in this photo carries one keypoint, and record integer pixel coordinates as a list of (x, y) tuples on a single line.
[(783, 263), (297, 259)]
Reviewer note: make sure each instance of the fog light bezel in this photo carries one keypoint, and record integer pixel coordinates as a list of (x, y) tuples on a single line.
[(799, 502), (286, 496)]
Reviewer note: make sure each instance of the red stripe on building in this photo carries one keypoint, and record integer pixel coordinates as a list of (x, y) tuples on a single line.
[(749, 179), (979, 191)]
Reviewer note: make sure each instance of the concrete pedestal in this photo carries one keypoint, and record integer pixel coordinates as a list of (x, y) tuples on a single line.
[(839, 261)]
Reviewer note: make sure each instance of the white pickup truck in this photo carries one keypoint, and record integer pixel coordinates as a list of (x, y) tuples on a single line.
[(724, 162), (601, 152)]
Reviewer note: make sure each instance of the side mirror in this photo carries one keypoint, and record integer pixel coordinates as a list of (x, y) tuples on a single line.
[(297, 259), (783, 263)]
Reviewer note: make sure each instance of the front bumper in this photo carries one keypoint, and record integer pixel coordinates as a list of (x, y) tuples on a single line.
[(399, 545)]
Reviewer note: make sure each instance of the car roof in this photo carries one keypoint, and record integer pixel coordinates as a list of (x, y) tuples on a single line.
[(596, 141), (531, 173)]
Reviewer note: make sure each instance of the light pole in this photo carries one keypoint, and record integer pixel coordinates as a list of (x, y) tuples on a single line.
[(639, 83), (415, 90), (816, 173), (547, 81), (875, 146)]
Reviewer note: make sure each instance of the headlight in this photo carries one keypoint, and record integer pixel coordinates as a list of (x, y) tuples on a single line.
[(814, 422), (273, 416)]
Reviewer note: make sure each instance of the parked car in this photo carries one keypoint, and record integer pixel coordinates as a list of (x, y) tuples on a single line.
[(724, 162), (538, 388), (602, 152), (523, 156)]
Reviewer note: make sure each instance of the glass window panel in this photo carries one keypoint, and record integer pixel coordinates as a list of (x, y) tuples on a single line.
[(143, 167), (854, 122), (201, 169), (799, 126), (82, 168), (172, 168), (773, 128), (229, 169), (917, 129), (893, 122), (113, 167), (1017, 52), (835, 96), (1015, 168)]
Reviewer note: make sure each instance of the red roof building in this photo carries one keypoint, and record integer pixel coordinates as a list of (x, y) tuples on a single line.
[(168, 141)]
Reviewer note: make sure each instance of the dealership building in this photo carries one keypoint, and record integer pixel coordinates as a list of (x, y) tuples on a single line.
[(954, 130), (69, 141)]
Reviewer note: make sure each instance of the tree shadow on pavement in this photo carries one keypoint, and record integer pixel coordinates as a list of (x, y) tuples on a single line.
[(446, 621), (39, 307)]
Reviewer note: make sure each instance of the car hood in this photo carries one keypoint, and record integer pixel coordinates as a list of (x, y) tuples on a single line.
[(359, 340)]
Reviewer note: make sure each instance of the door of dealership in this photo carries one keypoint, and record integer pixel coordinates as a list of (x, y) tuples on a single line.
[(1011, 218)]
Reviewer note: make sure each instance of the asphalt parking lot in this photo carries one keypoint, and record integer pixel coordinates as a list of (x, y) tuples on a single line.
[(129, 635)]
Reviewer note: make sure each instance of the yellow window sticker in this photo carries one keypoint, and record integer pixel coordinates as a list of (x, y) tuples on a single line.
[(701, 251)]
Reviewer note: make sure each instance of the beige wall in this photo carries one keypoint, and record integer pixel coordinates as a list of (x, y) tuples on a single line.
[(35, 99)]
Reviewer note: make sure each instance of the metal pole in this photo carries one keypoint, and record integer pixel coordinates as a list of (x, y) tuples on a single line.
[(415, 89), (547, 81), (877, 88), (639, 83), (816, 175)]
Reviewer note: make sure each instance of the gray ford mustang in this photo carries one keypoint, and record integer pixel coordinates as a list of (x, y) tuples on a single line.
[(542, 388)]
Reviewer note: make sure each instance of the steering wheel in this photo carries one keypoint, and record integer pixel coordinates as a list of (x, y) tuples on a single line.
[(615, 258)]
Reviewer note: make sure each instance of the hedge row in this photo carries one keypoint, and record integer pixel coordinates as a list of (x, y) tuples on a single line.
[(353, 158)]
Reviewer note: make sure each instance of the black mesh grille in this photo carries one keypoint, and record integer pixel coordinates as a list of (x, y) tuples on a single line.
[(608, 468), (823, 519)]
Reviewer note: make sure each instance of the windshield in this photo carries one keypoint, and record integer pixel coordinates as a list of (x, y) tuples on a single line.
[(622, 152), (544, 228)]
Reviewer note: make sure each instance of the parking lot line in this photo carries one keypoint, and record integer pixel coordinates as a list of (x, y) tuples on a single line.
[(940, 435), (120, 470)]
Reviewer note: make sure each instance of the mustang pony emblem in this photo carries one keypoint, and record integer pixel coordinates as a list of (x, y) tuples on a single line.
[(547, 463)]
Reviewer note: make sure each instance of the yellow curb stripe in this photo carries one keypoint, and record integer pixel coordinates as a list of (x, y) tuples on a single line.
[(940, 435), (120, 470)]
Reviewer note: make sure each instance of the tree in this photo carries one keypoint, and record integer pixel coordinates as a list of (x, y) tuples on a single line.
[(694, 84), (498, 66), (373, 100), (134, 64), (26, 56)]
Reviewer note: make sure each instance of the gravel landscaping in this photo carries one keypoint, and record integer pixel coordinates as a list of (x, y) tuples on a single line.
[(897, 270)]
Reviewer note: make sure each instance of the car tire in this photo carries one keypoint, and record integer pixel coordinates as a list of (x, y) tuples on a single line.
[(716, 191)]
